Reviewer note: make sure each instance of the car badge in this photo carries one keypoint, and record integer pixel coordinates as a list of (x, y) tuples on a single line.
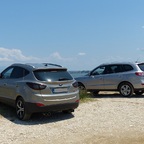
[(60, 84)]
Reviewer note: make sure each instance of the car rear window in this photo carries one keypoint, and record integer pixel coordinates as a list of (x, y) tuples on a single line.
[(141, 66), (52, 75)]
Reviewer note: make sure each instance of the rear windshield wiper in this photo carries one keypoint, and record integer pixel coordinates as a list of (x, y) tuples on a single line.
[(62, 79)]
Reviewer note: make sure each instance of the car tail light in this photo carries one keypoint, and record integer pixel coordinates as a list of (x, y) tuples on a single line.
[(40, 104), (77, 101), (75, 84), (139, 73), (36, 86)]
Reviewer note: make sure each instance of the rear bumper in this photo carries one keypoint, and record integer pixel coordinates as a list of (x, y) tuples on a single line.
[(33, 108)]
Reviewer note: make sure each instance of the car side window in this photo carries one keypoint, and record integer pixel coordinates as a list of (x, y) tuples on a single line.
[(108, 70), (98, 71), (128, 67), (117, 68), (19, 72), (7, 73)]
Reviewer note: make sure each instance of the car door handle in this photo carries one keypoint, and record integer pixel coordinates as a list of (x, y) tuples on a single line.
[(5, 84)]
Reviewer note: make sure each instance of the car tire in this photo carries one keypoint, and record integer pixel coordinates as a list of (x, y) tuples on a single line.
[(94, 93), (21, 110), (126, 89)]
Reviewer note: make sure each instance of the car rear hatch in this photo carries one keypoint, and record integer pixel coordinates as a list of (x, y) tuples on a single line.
[(60, 85)]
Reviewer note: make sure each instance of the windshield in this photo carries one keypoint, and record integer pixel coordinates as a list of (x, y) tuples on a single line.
[(52, 75), (141, 66)]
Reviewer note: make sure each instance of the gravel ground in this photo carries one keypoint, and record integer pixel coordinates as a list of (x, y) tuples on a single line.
[(109, 119)]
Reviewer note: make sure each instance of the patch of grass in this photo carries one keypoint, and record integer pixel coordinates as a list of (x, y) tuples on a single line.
[(85, 96)]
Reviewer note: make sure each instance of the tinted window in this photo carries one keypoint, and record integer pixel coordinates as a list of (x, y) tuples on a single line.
[(52, 75), (19, 72), (141, 66), (14, 72), (128, 67), (108, 70), (116, 68)]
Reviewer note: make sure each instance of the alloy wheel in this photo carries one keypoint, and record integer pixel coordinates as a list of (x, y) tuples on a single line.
[(21, 110), (126, 89)]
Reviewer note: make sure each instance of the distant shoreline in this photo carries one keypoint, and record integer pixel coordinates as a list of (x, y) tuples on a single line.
[(79, 73)]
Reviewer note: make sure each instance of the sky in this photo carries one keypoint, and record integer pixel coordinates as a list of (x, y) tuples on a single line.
[(77, 34)]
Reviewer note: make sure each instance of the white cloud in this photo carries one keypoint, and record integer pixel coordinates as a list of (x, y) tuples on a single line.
[(10, 55), (57, 56), (16, 55), (81, 54)]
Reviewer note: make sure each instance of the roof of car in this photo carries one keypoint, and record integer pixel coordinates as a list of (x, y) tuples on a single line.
[(113, 63), (34, 66)]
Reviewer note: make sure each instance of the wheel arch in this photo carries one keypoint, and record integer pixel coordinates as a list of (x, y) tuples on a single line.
[(19, 96), (80, 83)]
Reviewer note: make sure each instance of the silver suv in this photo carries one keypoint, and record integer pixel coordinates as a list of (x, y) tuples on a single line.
[(33, 88), (127, 78)]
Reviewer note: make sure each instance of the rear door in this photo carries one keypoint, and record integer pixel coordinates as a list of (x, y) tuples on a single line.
[(113, 77)]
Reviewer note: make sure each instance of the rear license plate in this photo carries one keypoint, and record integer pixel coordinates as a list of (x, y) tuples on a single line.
[(60, 90)]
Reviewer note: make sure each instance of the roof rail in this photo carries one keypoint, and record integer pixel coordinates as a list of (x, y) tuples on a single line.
[(42, 65), (51, 64)]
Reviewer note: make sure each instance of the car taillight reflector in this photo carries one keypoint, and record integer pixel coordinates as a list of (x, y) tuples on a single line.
[(36, 86), (139, 73), (77, 101), (75, 84), (40, 104)]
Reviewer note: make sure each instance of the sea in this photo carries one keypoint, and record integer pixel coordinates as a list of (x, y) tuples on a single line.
[(78, 73)]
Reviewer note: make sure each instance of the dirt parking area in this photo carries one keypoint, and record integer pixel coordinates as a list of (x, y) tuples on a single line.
[(108, 119)]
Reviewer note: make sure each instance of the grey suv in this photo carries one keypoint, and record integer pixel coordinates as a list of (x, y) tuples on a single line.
[(33, 88), (127, 78)]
